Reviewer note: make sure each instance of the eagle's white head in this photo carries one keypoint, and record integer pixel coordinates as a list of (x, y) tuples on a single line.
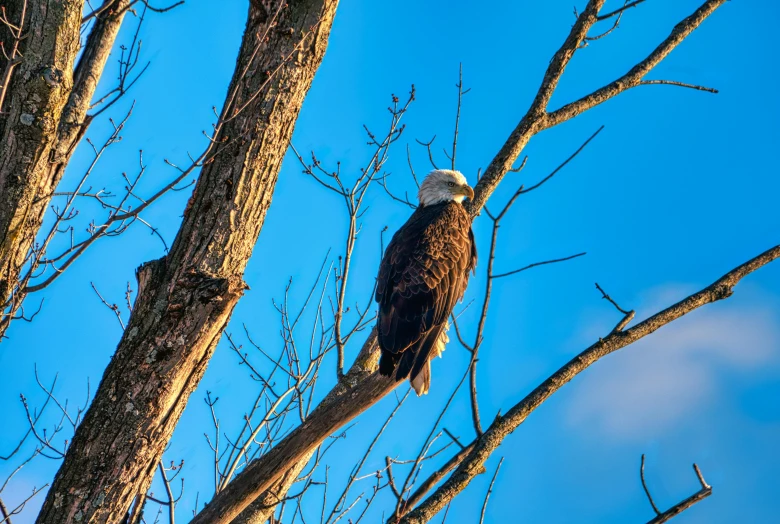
[(442, 185)]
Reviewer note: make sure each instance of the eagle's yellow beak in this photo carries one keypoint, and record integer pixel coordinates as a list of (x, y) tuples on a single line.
[(467, 191)]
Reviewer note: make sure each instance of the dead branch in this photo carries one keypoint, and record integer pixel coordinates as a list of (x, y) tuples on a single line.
[(628, 316)]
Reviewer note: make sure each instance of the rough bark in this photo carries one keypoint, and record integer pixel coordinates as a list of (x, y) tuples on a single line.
[(29, 193), (185, 299), (37, 93)]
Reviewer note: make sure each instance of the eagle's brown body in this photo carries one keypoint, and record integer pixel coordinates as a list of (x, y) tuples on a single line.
[(424, 272)]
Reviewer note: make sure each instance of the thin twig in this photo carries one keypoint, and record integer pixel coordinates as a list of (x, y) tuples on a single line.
[(489, 491), (678, 84), (628, 316), (644, 485), (628, 5), (535, 264)]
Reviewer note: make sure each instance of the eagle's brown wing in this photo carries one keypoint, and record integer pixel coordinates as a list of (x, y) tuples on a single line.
[(423, 274)]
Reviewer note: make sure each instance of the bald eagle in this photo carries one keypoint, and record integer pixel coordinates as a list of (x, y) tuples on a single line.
[(424, 272)]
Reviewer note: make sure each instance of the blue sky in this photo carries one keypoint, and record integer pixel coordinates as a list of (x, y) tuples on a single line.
[(678, 188)]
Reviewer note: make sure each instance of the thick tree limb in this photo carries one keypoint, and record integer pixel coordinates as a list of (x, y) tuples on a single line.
[(504, 425), (185, 299)]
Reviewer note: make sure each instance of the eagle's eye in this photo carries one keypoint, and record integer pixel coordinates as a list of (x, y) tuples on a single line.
[(451, 184)]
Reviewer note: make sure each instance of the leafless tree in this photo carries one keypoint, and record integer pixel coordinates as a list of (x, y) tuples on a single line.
[(185, 300)]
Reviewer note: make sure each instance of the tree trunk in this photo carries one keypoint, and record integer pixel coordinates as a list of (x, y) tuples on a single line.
[(185, 299), (28, 186), (37, 90)]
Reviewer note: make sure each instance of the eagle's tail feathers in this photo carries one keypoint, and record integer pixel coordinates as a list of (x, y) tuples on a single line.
[(422, 382), (423, 356)]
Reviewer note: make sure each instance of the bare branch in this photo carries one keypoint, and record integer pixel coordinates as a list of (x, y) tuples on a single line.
[(628, 316), (562, 165), (18, 509), (628, 5), (112, 307), (504, 425), (171, 501), (535, 264), (428, 146), (679, 84), (703, 493), (644, 485), (538, 118), (461, 92), (634, 77)]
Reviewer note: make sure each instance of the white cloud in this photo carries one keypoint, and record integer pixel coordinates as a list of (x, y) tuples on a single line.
[(643, 390)]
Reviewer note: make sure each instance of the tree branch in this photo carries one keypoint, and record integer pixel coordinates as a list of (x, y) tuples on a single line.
[(634, 77), (485, 445), (537, 118), (703, 493), (628, 5)]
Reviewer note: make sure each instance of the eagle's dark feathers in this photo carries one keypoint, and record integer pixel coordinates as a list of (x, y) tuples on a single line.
[(424, 272)]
